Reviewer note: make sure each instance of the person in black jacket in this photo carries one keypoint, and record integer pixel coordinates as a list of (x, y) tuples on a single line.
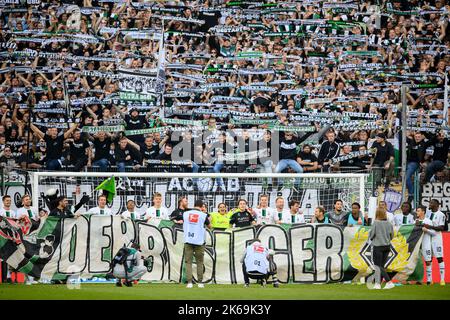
[(416, 148), (440, 155), (288, 152), (61, 210), (383, 159), (126, 155), (135, 121), (328, 150), (177, 215)]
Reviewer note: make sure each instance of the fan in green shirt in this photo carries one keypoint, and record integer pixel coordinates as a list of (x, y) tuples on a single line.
[(221, 220)]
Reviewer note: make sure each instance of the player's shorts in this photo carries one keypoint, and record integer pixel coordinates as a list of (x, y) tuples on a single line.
[(437, 246), (426, 248)]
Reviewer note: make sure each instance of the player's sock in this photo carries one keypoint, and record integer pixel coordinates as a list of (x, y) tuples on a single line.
[(442, 270), (429, 274)]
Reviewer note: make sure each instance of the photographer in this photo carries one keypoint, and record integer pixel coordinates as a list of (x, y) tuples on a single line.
[(128, 265)]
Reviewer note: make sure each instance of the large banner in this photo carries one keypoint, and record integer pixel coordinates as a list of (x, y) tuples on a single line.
[(304, 253)]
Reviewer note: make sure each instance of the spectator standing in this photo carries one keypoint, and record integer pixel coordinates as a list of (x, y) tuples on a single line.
[(383, 159), (381, 235), (416, 148), (194, 223), (329, 150)]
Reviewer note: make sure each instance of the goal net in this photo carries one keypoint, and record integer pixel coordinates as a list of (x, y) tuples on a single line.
[(311, 190)]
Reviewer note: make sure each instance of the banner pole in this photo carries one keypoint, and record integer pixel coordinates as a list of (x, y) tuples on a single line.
[(403, 152)]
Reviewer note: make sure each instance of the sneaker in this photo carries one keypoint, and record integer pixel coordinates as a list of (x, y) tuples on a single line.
[(119, 283), (377, 286), (263, 283), (9, 280), (246, 285), (442, 283), (429, 283), (201, 285), (189, 285), (128, 283), (389, 285), (276, 285)]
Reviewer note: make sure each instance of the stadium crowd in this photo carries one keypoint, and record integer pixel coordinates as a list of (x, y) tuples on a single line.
[(82, 82)]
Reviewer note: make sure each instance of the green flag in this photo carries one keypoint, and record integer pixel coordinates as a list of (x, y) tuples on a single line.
[(109, 188)]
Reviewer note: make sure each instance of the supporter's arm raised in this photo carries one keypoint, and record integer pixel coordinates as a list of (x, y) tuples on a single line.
[(38, 132), (71, 130)]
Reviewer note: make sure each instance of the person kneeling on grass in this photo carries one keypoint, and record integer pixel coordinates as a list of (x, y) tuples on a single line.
[(257, 263), (128, 265)]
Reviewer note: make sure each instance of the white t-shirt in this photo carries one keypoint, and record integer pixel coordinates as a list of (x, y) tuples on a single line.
[(127, 214), (398, 219), (11, 213), (285, 216), (390, 217), (151, 213), (194, 227), (294, 218), (96, 210), (269, 217), (24, 212), (438, 219), (256, 258)]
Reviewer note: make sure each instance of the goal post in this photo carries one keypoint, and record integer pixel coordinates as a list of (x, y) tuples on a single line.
[(310, 189)]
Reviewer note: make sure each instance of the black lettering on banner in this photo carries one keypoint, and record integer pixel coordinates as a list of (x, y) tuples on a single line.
[(299, 237), (276, 238), (73, 244), (153, 248), (329, 262), (174, 245)]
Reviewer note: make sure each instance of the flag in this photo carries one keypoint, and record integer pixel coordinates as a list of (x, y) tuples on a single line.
[(161, 75), (109, 188)]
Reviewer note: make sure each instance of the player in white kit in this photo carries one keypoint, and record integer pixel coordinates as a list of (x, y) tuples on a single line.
[(101, 209), (428, 235), (26, 210), (437, 218), (264, 214), (157, 212)]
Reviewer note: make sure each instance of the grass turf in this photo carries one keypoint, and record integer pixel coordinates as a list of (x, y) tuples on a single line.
[(218, 292)]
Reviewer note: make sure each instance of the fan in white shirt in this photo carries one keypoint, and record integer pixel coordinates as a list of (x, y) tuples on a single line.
[(264, 214), (280, 214), (131, 211), (27, 210), (101, 209), (157, 211), (6, 211)]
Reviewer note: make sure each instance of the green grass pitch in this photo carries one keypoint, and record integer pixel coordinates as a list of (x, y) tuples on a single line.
[(218, 292)]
